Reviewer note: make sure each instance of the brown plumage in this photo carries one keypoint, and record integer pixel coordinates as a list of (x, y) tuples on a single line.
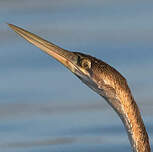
[(115, 90), (104, 80)]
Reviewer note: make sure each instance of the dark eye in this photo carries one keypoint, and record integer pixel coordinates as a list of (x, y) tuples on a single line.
[(85, 63)]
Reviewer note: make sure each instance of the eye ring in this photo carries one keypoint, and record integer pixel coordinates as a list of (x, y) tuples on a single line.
[(85, 63)]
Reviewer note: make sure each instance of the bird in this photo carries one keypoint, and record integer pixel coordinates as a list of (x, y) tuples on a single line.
[(104, 80)]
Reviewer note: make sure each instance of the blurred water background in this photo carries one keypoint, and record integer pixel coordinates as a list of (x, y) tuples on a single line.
[(43, 107)]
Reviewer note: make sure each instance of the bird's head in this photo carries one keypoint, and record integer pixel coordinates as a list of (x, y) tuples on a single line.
[(95, 73)]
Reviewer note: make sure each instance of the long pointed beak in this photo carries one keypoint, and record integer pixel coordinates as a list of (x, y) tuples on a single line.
[(67, 58)]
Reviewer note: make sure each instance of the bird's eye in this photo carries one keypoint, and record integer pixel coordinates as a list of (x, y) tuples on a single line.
[(85, 63)]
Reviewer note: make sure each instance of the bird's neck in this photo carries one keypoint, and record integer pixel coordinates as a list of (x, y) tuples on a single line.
[(122, 101), (134, 125), (119, 96)]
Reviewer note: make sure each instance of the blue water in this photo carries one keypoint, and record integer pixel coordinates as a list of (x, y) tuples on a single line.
[(43, 107)]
